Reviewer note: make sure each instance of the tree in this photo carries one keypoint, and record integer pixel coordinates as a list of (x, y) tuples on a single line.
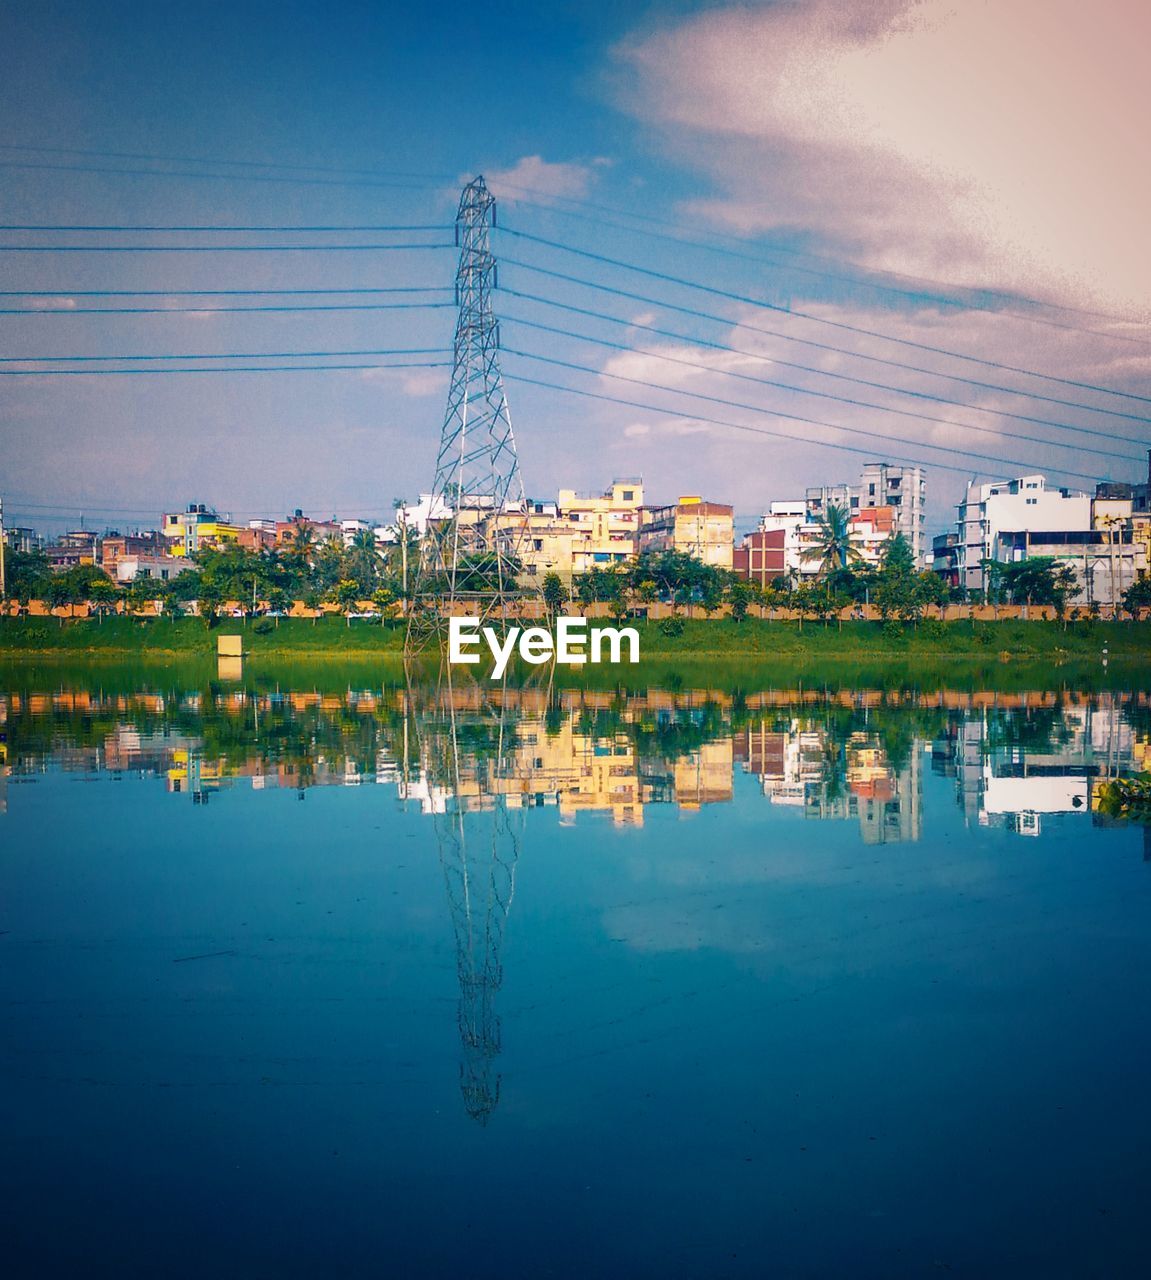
[(278, 602), (896, 590), (208, 602), (555, 596), (741, 594), (102, 596), (362, 561), (1137, 597), (385, 600), (346, 594), (832, 545)]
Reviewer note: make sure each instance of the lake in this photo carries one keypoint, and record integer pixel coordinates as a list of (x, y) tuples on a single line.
[(313, 972)]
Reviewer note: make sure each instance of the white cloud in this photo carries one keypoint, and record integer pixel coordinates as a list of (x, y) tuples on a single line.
[(995, 144), (532, 177)]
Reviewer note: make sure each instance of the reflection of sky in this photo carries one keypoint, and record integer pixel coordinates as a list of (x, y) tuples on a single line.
[(720, 1030)]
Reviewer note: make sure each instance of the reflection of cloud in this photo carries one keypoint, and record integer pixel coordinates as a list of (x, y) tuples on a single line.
[(992, 144), (534, 176), (50, 304)]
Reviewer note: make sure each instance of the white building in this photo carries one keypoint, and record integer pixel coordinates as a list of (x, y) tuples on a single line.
[(1025, 505), (904, 489)]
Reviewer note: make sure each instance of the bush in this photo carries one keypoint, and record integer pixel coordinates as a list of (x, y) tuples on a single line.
[(673, 626), (933, 629), (893, 629), (264, 627)]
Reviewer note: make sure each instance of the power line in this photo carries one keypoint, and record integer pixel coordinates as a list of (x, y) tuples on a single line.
[(213, 293), (967, 302), (823, 346), (804, 315), (217, 248), (822, 395), (734, 426), (208, 227), (827, 373), (431, 180), (791, 417), (232, 355), (218, 177), (208, 311), (248, 164), (271, 368)]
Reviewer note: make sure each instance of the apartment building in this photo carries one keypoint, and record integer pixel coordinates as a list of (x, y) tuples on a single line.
[(1103, 539), (705, 530), (195, 528)]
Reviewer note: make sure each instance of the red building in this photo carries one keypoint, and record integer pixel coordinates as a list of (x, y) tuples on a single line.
[(762, 558)]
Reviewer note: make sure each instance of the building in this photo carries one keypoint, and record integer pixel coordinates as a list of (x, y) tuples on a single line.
[(18, 538), (945, 557), (197, 528), (287, 531), (163, 568), (260, 535), (786, 541), (605, 527), (904, 490), (763, 556), (1102, 539), (704, 530), (115, 547), (77, 547)]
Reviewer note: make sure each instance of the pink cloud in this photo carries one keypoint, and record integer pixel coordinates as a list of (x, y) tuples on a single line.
[(990, 144)]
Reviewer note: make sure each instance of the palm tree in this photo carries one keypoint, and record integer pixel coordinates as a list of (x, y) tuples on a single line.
[(832, 546)]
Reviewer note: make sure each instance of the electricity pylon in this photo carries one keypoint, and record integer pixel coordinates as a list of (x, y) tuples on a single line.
[(469, 556), (478, 847)]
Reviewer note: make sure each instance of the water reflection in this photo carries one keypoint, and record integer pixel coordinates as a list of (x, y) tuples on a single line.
[(857, 756)]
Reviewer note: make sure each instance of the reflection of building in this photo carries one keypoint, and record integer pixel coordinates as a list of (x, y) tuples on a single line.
[(800, 765), (1012, 769)]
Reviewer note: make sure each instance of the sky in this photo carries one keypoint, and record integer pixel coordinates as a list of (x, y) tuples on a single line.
[(790, 237)]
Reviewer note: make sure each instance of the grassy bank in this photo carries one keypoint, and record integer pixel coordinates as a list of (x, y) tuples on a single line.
[(752, 639)]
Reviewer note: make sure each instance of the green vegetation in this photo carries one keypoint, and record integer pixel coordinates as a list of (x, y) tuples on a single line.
[(747, 640)]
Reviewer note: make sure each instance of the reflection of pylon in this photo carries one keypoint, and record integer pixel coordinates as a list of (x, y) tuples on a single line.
[(469, 555), (479, 848)]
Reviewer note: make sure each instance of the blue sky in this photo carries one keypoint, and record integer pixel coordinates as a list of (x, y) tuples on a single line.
[(801, 155)]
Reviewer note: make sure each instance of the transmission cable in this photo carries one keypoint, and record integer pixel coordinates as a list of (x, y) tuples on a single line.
[(805, 315)]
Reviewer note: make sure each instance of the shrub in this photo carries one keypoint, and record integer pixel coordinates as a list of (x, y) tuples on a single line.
[(673, 626), (263, 627)]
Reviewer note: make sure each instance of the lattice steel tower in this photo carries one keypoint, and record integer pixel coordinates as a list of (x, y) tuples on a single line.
[(469, 556)]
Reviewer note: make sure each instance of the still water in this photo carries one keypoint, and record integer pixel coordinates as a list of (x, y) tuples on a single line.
[(306, 977)]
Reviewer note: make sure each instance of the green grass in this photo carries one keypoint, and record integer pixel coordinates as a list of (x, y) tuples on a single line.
[(751, 640)]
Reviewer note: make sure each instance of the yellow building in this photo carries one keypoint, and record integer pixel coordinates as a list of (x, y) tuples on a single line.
[(578, 532), (605, 527), (197, 528), (704, 530)]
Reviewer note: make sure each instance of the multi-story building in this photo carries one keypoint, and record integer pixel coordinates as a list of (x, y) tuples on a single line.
[(196, 528), (320, 531), (115, 547), (1102, 539), (904, 490), (786, 541), (704, 530), (577, 532), (128, 568), (605, 527), (19, 538)]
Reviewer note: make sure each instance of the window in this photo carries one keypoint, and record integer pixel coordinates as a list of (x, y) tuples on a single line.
[(629, 495), (1032, 502)]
